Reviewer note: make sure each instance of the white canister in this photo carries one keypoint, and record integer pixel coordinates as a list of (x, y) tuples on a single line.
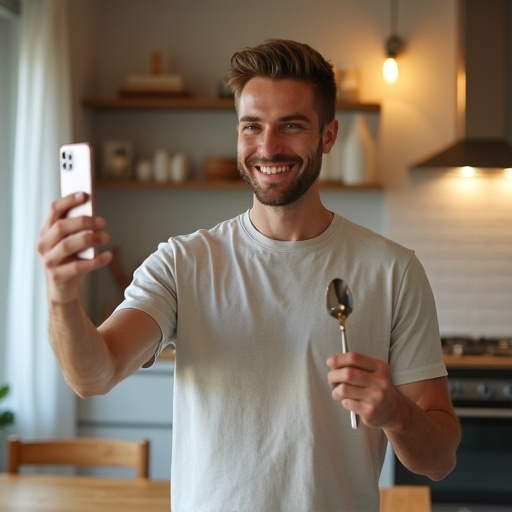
[(161, 166), (144, 170), (178, 168), (326, 169), (358, 154)]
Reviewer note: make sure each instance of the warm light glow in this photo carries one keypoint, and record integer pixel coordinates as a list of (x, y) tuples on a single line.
[(508, 173), (467, 172), (390, 70)]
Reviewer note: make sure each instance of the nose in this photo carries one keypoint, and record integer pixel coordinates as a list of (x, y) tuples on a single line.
[(271, 142)]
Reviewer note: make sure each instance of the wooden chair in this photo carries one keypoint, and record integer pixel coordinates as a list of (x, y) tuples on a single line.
[(80, 452), (405, 498)]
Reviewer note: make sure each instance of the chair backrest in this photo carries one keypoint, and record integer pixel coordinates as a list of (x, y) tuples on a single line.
[(80, 452)]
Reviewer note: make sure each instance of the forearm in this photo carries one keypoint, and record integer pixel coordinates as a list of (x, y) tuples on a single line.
[(80, 349), (425, 441)]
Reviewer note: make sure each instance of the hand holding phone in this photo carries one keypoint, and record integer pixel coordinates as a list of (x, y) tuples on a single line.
[(76, 175)]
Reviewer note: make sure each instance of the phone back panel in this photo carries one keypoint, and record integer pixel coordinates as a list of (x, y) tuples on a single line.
[(76, 175)]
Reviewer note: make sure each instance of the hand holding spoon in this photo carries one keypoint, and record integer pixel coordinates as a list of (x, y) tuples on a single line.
[(340, 305)]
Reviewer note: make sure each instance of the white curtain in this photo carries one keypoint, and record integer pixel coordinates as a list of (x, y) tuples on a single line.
[(43, 404), (9, 24)]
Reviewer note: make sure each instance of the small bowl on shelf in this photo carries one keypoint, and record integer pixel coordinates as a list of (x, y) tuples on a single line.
[(221, 168)]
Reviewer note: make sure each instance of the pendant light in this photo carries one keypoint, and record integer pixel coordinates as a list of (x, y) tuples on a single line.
[(394, 45)]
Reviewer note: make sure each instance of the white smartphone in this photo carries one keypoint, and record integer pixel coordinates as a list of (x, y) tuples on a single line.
[(77, 175)]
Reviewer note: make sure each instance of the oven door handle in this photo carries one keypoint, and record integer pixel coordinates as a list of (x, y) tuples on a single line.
[(483, 412)]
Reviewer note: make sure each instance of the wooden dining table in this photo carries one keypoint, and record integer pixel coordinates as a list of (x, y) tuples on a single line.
[(51, 493), (57, 493)]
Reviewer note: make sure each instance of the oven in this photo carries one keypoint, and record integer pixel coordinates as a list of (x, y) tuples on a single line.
[(480, 381)]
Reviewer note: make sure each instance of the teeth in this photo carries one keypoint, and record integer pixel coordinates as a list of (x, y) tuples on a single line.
[(274, 170)]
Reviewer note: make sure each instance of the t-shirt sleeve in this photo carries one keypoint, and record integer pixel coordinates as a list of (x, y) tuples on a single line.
[(152, 290), (415, 352)]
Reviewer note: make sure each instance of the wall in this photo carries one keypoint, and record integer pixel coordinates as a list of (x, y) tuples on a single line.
[(197, 38), (460, 231)]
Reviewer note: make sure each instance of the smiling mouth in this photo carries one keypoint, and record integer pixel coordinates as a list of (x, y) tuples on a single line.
[(273, 169)]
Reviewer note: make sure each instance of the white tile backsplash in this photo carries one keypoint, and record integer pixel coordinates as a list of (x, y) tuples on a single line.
[(461, 230)]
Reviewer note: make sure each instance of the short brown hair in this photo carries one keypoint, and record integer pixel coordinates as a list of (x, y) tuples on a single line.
[(280, 58)]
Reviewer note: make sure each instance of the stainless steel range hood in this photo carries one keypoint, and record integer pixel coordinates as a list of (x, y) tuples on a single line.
[(483, 79)]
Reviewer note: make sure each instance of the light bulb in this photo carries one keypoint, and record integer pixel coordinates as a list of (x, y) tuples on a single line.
[(467, 172), (390, 70), (508, 173)]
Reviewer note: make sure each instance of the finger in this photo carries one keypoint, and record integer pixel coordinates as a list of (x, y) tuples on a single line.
[(69, 246), (60, 207), (337, 361), (65, 228), (349, 396), (354, 359), (346, 375), (61, 276)]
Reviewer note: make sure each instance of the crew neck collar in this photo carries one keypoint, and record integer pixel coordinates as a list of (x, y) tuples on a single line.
[(285, 245)]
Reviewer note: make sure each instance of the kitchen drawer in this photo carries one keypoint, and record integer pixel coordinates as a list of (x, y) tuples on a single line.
[(144, 397)]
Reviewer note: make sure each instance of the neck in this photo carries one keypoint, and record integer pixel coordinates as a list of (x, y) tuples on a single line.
[(303, 220)]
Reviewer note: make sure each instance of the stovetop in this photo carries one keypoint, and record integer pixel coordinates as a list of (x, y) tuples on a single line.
[(465, 345), (479, 386)]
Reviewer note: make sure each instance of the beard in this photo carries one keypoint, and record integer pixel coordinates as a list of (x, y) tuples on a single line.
[(272, 195)]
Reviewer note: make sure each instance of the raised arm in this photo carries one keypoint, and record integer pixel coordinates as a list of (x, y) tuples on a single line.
[(92, 359)]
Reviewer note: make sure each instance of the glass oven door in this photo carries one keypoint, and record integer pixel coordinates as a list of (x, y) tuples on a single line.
[(483, 474)]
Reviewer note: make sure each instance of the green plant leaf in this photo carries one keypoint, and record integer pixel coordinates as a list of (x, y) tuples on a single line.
[(6, 418), (4, 390)]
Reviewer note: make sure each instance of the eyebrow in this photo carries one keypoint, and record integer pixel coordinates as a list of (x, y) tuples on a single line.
[(284, 119)]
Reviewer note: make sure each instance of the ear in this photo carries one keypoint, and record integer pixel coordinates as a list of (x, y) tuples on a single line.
[(329, 135)]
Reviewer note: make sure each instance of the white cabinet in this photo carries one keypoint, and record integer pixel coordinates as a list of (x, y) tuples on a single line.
[(138, 407)]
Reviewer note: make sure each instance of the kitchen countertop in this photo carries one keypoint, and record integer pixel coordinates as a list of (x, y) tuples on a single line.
[(451, 361), (482, 361)]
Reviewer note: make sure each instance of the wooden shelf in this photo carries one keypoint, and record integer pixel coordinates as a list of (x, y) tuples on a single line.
[(485, 361), (193, 103), (198, 103), (183, 185), (357, 107), (117, 103), (214, 184)]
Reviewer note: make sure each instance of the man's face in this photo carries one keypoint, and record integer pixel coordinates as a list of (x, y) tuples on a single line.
[(279, 141)]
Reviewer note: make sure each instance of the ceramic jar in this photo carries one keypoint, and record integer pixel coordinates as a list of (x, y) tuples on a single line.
[(161, 166)]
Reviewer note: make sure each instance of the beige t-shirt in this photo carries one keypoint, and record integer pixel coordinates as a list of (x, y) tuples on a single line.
[(254, 424)]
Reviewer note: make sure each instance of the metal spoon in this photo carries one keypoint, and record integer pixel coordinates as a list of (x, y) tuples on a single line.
[(340, 305)]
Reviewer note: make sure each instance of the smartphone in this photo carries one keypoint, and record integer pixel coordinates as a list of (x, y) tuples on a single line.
[(77, 175)]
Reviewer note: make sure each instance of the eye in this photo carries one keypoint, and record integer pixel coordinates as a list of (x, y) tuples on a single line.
[(249, 128), (292, 127)]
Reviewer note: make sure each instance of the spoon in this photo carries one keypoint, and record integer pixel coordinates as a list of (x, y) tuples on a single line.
[(340, 305)]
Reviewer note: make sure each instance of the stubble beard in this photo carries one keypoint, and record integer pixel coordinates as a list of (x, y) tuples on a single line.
[(271, 195)]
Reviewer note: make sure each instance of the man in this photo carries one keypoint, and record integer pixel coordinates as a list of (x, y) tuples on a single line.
[(260, 422)]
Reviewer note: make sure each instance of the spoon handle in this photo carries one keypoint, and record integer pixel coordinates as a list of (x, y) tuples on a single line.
[(354, 418)]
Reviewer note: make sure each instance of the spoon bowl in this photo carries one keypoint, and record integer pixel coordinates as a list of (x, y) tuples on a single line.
[(339, 299)]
